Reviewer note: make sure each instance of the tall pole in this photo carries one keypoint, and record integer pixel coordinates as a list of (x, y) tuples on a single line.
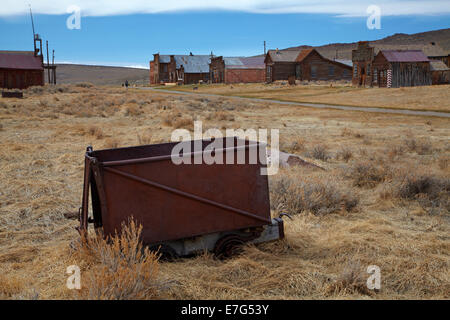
[(264, 47), (48, 63), (32, 25), (54, 69)]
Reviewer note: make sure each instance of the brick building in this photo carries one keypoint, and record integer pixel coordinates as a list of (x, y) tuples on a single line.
[(237, 69)]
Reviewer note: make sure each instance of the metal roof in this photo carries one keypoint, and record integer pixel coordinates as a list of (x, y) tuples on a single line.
[(283, 55), (20, 60), (194, 63), (404, 56), (438, 65), (244, 62), (346, 62)]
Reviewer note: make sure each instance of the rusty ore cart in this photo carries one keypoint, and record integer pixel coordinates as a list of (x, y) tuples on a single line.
[(184, 208)]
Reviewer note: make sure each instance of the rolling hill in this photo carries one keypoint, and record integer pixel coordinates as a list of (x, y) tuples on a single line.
[(100, 75)]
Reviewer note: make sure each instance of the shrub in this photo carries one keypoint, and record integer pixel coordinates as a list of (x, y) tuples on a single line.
[(352, 280), (344, 154), (320, 152), (420, 147), (317, 196), (120, 268), (182, 122), (430, 191), (96, 132), (84, 85), (367, 174)]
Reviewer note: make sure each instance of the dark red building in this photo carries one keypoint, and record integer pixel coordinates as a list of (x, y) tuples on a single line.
[(21, 69), (237, 69)]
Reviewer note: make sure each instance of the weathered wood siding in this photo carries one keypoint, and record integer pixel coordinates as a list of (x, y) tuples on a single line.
[(404, 74), (316, 67), (20, 79)]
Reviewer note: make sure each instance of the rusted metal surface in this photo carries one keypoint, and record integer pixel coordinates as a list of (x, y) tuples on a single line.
[(175, 201)]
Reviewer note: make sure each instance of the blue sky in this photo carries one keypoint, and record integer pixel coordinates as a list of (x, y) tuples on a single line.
[(129, 39)]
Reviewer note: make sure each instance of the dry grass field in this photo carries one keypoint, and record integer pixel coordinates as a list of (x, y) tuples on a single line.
[(432, 98), (384, 198)]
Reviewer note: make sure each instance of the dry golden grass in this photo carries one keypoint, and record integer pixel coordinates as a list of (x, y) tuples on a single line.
[(382, 200), (431, 98), (118, 268)]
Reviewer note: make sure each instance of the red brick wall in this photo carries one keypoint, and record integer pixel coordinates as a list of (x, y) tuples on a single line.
[(245, 75), (152, 72)]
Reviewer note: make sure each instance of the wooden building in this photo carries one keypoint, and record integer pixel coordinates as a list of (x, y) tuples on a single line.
[(21, 69), (280, 64), (401, 68), (440, 73), (310, 65), (237, 69), (182, 69), (362, 58)]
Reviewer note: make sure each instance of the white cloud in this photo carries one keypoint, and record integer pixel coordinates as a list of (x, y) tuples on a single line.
[(123, 7)]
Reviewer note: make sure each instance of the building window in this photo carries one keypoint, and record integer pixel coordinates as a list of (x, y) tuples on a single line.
[(375, 75), (355, 70), (345, 73), (313, 71), (368, 69), (331, 71), (164, 67)]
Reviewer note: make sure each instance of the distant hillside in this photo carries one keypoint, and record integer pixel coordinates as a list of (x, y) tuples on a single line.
[(100, 75), (440, 38)]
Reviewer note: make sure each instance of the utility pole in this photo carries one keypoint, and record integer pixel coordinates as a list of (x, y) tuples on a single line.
[(264, 47), (53, 67), (48, 63)]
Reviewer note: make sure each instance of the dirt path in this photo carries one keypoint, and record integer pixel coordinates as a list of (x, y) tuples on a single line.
[(316, 105)]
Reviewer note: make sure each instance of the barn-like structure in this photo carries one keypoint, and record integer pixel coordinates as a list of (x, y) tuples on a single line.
[(237, 69), (440, 73), (182, 69), (280, 64), (21, 69), (311, 65), (401, 68)]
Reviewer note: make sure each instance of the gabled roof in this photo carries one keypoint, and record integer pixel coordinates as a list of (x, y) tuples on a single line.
[(24, 60), (244, 62), (283, 55), (404, 56), (438, 65), (303, 54)]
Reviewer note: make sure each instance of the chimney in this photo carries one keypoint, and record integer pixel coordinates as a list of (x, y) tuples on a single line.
[(190, 53)]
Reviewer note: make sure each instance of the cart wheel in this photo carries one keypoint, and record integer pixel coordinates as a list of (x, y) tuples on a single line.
[(166, 253), (228, 246)]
